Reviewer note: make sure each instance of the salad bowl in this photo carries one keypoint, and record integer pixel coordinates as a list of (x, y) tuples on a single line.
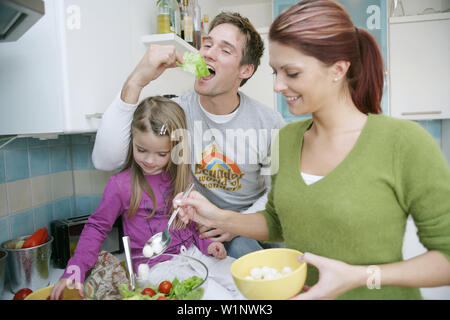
[(167, 277)]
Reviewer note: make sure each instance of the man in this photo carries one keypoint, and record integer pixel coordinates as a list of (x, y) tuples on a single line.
[(230, 132)]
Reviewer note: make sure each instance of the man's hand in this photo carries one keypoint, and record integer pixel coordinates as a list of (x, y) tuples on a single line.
[(155, 61)]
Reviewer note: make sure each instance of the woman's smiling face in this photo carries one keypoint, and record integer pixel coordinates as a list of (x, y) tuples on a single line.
[(151, 152), (303, 80)]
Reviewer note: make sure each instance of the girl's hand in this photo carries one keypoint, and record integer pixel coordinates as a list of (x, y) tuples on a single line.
[(58, 288), (335, 278), (217, 249), (197, 208)]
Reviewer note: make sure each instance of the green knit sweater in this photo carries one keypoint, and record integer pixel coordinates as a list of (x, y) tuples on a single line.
[(357, 213)]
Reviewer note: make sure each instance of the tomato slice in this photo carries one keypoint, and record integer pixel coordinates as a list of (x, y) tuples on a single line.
[(149, 292)]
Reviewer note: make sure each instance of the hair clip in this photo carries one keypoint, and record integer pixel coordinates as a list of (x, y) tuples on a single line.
[(163, 130)]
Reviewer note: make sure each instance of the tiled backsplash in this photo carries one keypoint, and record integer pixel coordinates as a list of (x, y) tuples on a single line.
[(45, 180)]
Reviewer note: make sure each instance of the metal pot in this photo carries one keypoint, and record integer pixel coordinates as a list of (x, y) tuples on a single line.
[(28, 267), (3, 256)]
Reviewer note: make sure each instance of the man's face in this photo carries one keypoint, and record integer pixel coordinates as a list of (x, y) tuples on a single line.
[(222, 52)]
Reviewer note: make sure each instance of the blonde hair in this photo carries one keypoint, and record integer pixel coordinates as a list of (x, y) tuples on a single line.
[(163, 117)]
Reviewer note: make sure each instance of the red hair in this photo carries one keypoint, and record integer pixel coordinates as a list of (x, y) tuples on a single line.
[(323, 29)]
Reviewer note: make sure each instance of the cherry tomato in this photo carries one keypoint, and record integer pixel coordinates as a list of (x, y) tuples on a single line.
[(164, 287), (22, 294), (162, 298), (149, 292)]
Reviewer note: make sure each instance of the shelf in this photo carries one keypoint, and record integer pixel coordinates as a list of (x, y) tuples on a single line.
[(168, 39), (420, 17)]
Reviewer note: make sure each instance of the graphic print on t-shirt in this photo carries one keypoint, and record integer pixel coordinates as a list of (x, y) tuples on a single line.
[(218, 171)]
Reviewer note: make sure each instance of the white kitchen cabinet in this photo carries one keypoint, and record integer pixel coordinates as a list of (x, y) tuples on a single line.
[(63, 73), (420, 67)]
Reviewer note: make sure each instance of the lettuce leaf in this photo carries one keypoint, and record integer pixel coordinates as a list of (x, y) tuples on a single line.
[(194, 63)]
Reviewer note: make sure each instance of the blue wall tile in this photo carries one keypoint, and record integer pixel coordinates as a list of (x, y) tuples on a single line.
[(81, 156), (43, 216), (39, 161), (22, 224), (33, 142), (80, 139), (19, 143), (60, 159), (95, 201), (16, 164), (433, 127), (83, 205), (4, 230), (63, 208), (61, 140), (2, 167)]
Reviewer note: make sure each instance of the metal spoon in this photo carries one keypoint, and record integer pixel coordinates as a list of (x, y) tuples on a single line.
[(160, 241), (126, 246)]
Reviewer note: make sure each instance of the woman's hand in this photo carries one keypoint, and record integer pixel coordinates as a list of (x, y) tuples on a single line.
[(58, 288), (214, 234), (197, 208), (335, 278)]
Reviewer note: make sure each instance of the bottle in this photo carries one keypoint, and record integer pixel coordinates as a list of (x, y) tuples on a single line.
[(197, 25), (163, 10), (175, 18), (188, 22), (206, 23)]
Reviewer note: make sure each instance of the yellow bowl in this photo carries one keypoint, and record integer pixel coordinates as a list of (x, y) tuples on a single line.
[(44, 293), (272, 289)]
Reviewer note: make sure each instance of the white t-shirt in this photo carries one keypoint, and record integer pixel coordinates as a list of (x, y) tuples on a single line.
[(310, 178)]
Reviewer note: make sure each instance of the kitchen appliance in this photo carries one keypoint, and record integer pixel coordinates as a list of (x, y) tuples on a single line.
[(17, 16), (67, 233)]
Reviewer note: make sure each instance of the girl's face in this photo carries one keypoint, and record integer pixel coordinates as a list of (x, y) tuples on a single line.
[(303, 80), (151, 152)]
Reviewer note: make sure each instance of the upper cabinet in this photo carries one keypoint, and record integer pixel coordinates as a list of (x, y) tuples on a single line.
[(420, 66), (62, 74)]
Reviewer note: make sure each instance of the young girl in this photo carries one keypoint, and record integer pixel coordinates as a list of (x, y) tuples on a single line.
[(142, 194)]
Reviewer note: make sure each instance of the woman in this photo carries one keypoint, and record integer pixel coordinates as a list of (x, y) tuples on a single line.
[(348, 178)]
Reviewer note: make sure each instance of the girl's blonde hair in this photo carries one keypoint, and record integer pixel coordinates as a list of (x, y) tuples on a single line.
[(163, 117)]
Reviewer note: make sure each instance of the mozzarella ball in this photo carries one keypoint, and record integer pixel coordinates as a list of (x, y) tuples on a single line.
[(256, 273), (143, 271), (286, 270), (147, 251)]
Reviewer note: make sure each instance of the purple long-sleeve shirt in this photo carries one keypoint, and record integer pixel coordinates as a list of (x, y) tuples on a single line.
[(115, 202)]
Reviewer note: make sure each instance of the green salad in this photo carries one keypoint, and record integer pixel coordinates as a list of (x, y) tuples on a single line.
[(194, 63), (179, 290)]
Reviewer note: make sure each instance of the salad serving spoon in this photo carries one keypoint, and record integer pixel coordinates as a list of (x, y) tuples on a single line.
[(159, 242)]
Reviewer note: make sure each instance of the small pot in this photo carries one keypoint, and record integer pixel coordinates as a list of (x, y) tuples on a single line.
[(3, 257), (28, 267)]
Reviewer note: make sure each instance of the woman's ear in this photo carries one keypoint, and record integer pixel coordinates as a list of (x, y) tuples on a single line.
[(339, 69)]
